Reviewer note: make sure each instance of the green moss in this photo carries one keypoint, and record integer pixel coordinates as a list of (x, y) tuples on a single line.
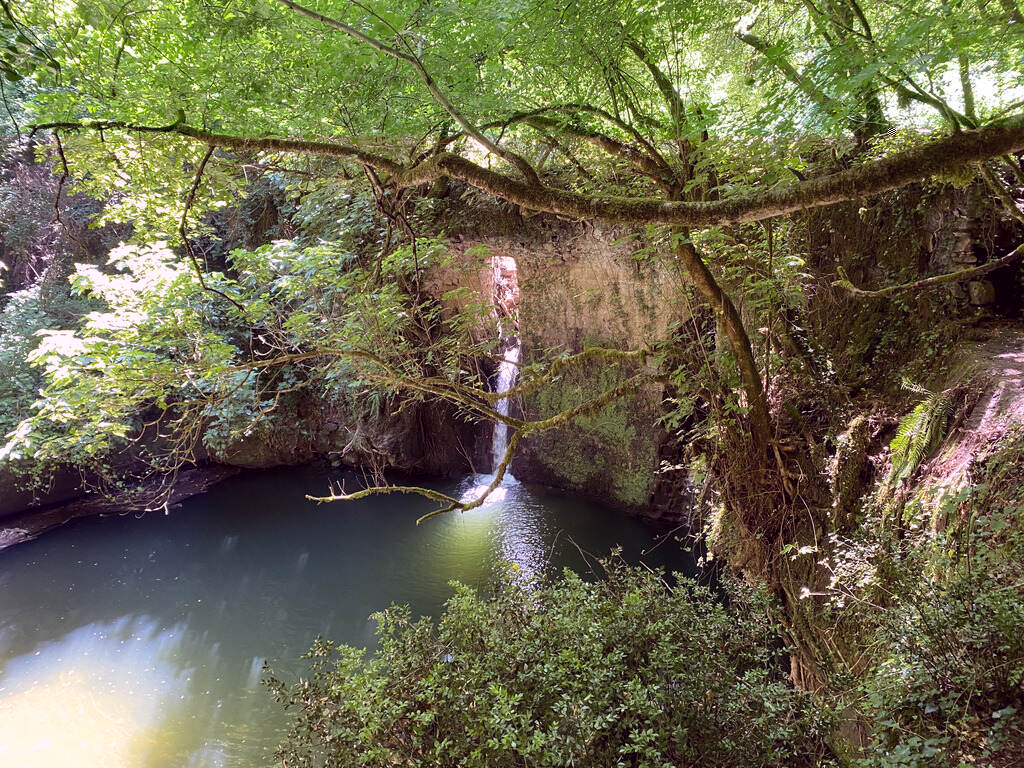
[(567, 461), (633, 486), (723, 533), (603, 452)]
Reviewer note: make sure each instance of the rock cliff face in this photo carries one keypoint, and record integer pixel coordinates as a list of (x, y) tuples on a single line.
[(421, 439), (578, 289), (17, 494), (902, 237)]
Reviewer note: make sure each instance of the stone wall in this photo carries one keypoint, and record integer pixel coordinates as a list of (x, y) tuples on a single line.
[(18, 494), (419, 438)]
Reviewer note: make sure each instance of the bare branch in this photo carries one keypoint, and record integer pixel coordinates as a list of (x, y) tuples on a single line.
[(377, 490), (7, 108), (499, 475), (65, 176), (183, 232), (932, 282), (585, 409), (451, 504)]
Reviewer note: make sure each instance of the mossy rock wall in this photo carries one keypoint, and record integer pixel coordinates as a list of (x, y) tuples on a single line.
[(611, 456), (422, 439), (578, 288), (899, 237)]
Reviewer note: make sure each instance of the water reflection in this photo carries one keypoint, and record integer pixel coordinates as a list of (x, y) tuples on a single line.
[(141, 642), (101, 695), (511, 517)]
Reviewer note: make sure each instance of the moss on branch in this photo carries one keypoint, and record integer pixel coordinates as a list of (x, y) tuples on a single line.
[(931, 158)]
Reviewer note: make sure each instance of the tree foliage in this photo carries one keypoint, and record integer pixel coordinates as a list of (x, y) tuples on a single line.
[(167, 357), (624, 671), (678, 117)]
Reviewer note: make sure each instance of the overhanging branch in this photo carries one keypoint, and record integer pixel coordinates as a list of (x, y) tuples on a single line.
[(932, 282), (935, 157)]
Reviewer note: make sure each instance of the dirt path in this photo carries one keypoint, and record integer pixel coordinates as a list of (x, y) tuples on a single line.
[(999, 362)]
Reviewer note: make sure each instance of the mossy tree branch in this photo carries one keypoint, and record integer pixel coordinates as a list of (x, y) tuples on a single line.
[(451, 504), (931, 282), (931, 158)]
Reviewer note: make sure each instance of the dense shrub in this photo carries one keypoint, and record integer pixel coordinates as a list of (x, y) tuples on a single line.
[(948, 686), (21, 316), (623, 672)]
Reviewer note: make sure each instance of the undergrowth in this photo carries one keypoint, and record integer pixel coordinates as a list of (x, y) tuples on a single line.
[(626, 671), (938, 615)]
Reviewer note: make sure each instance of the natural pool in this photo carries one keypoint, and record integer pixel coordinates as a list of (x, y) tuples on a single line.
[(139, 643)]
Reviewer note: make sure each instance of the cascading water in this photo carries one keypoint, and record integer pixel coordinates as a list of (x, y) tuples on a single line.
[(506, 305), (506, 378)]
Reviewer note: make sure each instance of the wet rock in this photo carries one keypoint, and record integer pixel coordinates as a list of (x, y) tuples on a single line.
[(584, 286)]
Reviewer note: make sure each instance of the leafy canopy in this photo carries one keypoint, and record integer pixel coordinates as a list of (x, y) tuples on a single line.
[(674, 71), (685, 113)]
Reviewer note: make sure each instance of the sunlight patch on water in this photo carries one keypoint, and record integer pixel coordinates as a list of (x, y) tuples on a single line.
[(63, 721), (98, 697), (480, 485)]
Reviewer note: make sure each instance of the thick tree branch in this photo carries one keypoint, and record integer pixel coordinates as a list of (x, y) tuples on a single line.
[(648, 160), (235, 142), (618, 122), (916, 93), (1003, 192), (668, 91), (378, 490), (931, 158), (732, 323), (451, 504), (966, 87), (676, 108), (649, 167)]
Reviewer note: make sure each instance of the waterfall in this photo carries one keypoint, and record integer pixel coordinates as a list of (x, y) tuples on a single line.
[(507, 370)]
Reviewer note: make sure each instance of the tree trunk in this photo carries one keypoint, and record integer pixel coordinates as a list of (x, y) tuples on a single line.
[(739, 341)]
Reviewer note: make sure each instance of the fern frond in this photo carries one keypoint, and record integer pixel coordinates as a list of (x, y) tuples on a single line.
[(919, 434)]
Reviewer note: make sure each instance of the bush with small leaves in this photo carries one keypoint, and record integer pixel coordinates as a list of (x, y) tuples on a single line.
[(949, 689), (624, 671)]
